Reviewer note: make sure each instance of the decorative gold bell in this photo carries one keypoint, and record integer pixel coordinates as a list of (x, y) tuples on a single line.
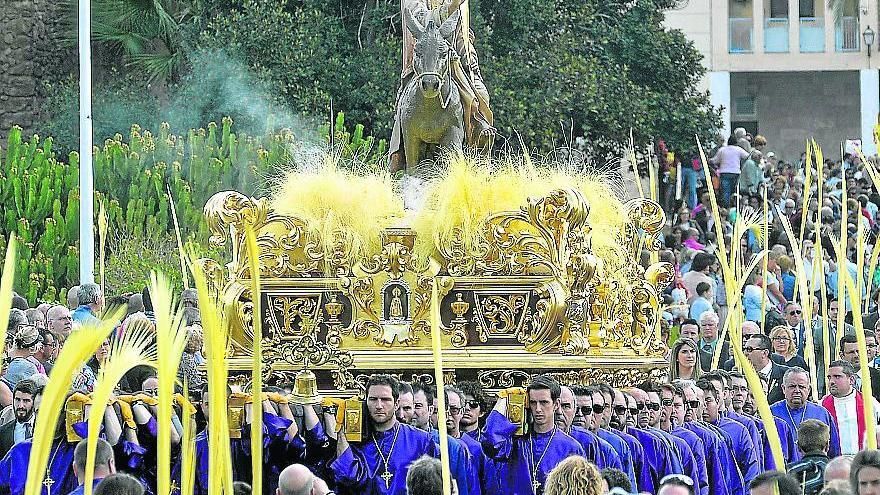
[(305, 389)]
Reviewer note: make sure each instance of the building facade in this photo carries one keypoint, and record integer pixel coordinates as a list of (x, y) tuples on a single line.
[(790, 70)]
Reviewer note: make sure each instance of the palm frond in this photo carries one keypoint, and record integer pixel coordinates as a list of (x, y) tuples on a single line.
[(78, 348), (158, 65), (170, 341), (128, 351), (6, 284)]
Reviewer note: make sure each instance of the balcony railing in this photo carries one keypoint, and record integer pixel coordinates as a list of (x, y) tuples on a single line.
[(776, 35), (846, 35), (812, 34), (740, 35)]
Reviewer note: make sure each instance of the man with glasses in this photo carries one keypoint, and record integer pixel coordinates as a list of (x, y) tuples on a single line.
[(583, 418), (692, 463), (793, 315), (47, 352), (743, 447), (747, 330), (661, 456), (596, 450), (706, 455), (473, 411), (720, 380), (691, 412), (846, 406), (796, 408), (740, 395), (424, 418), (849, 351), (757, 350), (628, 446), (468, 468)]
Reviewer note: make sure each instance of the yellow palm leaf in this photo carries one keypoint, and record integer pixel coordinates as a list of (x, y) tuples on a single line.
[(78, 348), (170, 341), (128, 351)]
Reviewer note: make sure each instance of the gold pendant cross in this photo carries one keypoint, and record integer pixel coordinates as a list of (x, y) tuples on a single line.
[(387, 477), (536, 486), (173, 487)]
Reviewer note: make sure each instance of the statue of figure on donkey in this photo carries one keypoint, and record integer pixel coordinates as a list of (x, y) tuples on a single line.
[(442, 100)]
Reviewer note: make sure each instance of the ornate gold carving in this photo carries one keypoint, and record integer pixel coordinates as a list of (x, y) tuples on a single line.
[(528, 282)]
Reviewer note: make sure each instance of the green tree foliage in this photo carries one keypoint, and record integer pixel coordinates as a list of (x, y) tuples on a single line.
[(599, 67)]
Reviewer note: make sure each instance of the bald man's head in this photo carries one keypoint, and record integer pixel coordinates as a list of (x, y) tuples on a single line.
[(296, 479), (565, 414)]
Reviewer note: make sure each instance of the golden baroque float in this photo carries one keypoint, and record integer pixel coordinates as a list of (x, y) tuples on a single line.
[(522, 291)]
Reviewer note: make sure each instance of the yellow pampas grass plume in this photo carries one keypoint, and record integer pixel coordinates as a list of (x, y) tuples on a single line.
[(357, 203), (256, 370)]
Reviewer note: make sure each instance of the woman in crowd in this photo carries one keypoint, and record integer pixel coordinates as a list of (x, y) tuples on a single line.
[(783, 344), (684, 362)]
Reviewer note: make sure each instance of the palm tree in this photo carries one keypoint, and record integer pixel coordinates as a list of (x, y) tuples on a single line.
[(145, 32)]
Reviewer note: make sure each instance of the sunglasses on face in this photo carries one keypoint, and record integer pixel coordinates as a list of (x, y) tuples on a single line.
[(653, 406), (620, 410), (584, 410), (794, 312), (453, 410), (750, 349), (693, 404), (666, 402), (473, 404)]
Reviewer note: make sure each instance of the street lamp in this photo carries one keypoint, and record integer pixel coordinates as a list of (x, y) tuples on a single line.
[(868, 36)]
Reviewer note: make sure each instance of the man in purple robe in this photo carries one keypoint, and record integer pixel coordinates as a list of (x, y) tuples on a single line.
[(59, 478), (607, 426), (726, 465), (661, 454), (721, 381), (529, 458), (739, 396), (379, 464), (667, 423), (743, 448), (795, 408), (598, 451), (474, 410), (282, 445)]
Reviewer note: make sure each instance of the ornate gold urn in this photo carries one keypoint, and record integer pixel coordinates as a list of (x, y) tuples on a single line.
[(530, 297)]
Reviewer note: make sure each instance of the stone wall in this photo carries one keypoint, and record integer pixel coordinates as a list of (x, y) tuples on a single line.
[(791, 107), (31, 51)]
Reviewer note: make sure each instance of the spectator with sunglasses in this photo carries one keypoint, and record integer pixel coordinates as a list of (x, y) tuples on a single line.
[(758, 351)]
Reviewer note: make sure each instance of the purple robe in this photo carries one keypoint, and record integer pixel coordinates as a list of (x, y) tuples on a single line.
[(743, 448), (698, 450), (493, 471), (460, 466), (623, 453), (14, 467), (360, 467), (754, 433), (794, 417), (274, 437), (784, 439), (658, 454), (590, 444), (641, 465), (547, 450), (720, 467), (736, 482), (478, 459)]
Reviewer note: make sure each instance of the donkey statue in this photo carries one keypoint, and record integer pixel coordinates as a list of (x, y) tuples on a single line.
[(429, 109)]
